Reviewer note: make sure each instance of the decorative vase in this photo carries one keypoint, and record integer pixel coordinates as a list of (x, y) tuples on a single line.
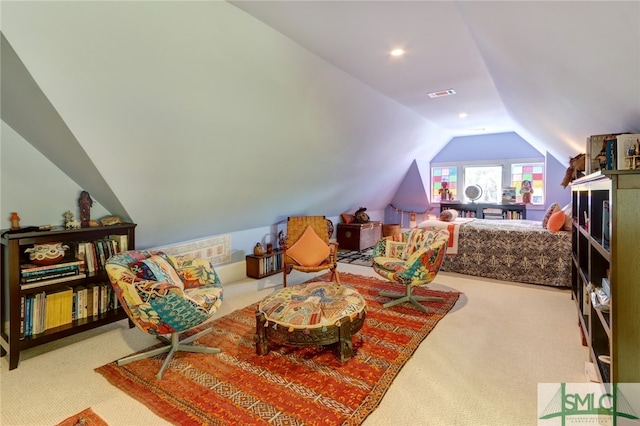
[(46, 253), (15, 221), (258, 250)]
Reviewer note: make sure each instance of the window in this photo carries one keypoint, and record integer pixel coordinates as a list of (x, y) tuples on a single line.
[(489, 178), (440, 175), (534, 173), (492, 176)]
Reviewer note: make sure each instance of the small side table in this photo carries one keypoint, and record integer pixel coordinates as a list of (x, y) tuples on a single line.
[(313, 314)]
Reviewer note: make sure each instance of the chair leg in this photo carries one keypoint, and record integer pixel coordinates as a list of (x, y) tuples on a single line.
[(172, 347), (334, 275)]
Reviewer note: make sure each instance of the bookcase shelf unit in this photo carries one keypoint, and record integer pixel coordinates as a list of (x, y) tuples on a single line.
[(265, 265), (605, 236), (12, 296), (486, 210)]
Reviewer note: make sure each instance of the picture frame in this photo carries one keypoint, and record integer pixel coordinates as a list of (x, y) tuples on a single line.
[(596, 153), (628, 147)]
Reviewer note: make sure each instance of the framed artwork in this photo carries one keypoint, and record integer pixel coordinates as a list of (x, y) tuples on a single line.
[(596, 153), (628, 147)]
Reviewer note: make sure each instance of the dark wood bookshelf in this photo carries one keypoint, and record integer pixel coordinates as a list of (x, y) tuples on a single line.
[(613, 332), (265, 265), (12, 248)]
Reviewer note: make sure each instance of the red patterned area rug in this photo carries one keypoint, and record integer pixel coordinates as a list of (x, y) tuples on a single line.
[(84, 418), (288, 386)]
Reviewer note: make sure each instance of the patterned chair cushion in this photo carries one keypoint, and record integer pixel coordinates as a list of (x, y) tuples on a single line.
[(194, 273), (157, 267), (422, 265), (164, 305)]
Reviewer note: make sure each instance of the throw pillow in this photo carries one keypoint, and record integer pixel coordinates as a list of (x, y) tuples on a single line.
[(568, 219), (309, 250), (394, 248), (551, 210), (348, 218), (556, 221), (449, 215), (156, 268)]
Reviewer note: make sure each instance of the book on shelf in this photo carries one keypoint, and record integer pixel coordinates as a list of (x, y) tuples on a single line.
[(31, 269), (41, 283), (122, 242), (49, 276), (611, 155)]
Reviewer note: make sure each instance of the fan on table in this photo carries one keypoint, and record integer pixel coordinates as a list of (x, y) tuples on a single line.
[(473, 192)]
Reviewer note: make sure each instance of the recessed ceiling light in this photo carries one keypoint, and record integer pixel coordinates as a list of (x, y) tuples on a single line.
[(441, 93), (397, 52), (463, 115)]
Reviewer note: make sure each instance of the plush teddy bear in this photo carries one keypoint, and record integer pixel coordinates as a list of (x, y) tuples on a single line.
[(361, 216)]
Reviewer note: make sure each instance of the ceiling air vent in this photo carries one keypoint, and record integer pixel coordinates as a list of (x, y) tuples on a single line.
[(442, 93)]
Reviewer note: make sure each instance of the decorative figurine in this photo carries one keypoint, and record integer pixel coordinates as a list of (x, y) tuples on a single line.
[(85, 203), (526, 190), (445, 192), (69, 223)]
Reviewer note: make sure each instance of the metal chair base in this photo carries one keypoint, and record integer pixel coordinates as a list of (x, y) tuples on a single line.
[(409, 297), (172, 347)]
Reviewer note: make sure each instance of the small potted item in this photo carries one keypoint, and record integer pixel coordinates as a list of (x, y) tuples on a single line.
[(258, 250)]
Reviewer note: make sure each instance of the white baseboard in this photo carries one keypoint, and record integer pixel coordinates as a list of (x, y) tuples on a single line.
[(232, 272)]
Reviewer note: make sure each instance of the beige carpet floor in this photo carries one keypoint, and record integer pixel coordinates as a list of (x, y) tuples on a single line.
[(480, 366)]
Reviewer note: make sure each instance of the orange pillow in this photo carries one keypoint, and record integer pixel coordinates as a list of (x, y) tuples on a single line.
[(348, 218), (309, 250), (556, 221)]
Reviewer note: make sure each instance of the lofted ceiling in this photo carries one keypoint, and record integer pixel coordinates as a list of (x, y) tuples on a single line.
[(553, 71), (195, 118)]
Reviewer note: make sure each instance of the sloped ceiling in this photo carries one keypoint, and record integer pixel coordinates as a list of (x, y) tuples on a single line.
[(199, 118), (553, 71)]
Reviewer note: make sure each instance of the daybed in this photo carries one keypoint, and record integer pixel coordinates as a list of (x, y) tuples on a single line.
[(510, 250)]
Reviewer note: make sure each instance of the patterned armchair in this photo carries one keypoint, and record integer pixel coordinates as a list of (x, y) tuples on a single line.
[(164, 294), (412, 258)]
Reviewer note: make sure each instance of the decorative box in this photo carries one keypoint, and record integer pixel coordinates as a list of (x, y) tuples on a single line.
[(358, 236)]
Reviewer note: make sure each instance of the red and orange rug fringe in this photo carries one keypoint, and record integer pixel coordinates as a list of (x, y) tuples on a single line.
[(290, 385), (86, 417)]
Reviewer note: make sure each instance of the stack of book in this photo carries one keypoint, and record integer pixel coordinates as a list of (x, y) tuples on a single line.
[(96, 252), (32, 276), (50, 309)]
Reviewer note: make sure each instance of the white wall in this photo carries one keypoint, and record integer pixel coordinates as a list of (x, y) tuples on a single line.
[(204, 121), (33, 187)]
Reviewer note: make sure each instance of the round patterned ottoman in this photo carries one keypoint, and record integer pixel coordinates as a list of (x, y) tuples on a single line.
[(313, 314)]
